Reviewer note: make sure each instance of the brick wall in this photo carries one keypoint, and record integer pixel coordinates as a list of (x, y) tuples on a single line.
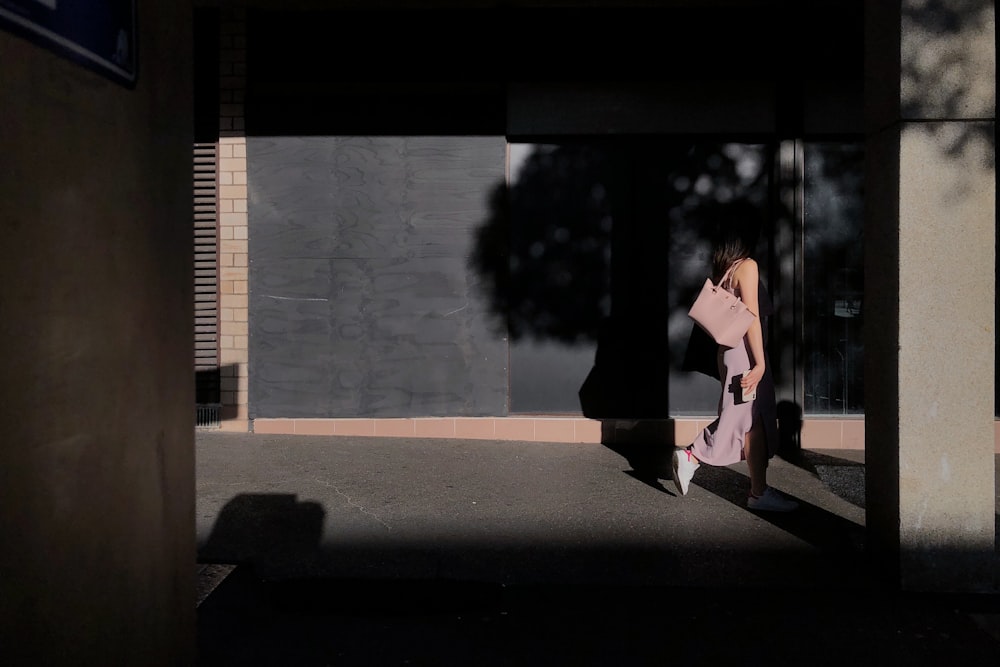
[(233, 237)]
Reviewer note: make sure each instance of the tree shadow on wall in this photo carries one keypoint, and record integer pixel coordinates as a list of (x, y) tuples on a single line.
[(545, 249), (607, 241), (941, 37)]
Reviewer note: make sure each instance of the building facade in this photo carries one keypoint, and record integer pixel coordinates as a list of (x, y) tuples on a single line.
[(333, 305), (489, 223)]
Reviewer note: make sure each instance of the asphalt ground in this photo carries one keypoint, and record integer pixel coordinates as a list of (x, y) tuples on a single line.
[(318, 550)]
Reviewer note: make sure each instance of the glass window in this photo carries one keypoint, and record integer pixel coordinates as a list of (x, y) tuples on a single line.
[(833, 278), (711, 176), (609, 242)]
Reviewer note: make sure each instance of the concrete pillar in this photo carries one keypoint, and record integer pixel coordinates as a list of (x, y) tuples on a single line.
[(929, 290), (97, 549)]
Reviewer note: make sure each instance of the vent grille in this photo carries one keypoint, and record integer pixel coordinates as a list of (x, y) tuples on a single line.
[(208, 416), (206, 278)]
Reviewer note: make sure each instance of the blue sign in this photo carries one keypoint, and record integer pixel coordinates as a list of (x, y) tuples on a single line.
[(99, 34)]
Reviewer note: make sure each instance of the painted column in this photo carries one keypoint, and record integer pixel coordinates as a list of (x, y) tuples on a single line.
[(929, 291)]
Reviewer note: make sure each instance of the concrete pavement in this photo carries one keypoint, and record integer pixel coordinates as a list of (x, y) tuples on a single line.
[(385, 551)]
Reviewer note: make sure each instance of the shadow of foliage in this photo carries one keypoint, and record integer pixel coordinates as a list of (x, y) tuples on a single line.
[(942, 40), (549, 267), (607, 240)]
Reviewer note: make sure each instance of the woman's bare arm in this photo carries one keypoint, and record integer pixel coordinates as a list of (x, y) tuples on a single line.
[(746, 278)]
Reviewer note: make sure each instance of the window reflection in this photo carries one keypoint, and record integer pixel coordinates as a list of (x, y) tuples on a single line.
[(833, 278), (736, 171), (608, 243)]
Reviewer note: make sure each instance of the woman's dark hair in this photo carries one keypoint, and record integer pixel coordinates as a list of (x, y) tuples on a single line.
[(737, 231)]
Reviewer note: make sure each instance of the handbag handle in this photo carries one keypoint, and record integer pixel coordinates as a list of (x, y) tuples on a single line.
[(728, 274)]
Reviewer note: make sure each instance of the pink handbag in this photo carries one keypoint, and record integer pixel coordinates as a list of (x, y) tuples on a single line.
[(721, 313)]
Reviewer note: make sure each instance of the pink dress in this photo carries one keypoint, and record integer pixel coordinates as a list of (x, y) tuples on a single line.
[(721, 442)]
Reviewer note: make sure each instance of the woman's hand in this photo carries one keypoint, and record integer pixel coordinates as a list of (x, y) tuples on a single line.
[(749, 381)]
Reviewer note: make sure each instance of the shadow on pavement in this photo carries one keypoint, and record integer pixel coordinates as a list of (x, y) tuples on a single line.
[(823, 529), (247, 621), (475, 602)]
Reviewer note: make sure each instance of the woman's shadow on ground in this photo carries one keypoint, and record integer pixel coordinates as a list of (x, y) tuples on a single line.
[(648, 447)]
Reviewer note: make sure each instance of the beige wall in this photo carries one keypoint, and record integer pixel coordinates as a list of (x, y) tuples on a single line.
[(930, 253), (97, 394)]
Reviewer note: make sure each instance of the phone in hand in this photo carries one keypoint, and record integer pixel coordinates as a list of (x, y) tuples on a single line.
[(752, 395)]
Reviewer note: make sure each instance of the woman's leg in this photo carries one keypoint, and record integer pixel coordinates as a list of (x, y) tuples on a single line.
[(755, 451), (762, 497)]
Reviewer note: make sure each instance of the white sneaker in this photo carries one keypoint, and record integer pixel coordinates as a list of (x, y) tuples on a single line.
[(770, 501), (684, 466)]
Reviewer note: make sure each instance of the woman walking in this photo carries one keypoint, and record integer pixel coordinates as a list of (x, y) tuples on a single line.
[(747, 426)]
